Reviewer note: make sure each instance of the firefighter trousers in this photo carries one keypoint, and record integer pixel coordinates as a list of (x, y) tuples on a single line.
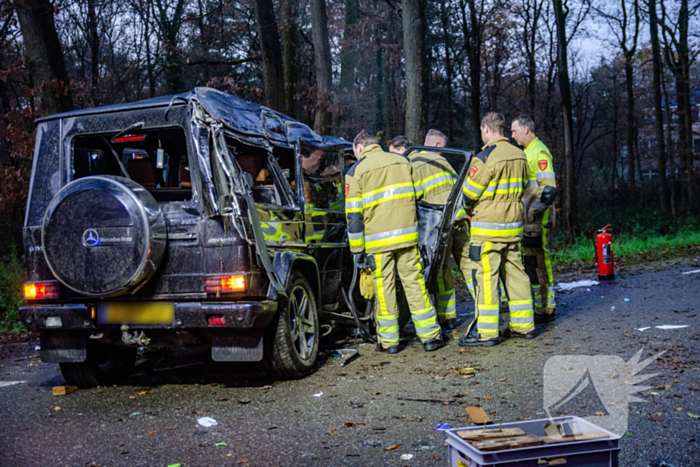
[(490, 261), (405, 261), (538, 267)]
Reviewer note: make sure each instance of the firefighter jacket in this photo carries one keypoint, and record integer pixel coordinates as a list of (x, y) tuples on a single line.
[(537, 214), (494, 188), (380, 202), (435, 178)]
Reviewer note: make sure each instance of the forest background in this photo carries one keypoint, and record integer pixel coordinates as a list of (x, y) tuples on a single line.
[(613, 86)]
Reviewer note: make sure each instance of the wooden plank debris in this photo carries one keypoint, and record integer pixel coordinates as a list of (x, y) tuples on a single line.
[(477, 414), (63, 390), (515, 442), (479, 435)]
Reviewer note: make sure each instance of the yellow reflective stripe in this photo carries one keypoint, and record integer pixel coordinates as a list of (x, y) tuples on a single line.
[(487, 272), (488, 319), (380, 285), (497, 233), (426, 300), (392, 240), (359, 242), (475, 185), (435, 185), (390, 187), (520, 302)]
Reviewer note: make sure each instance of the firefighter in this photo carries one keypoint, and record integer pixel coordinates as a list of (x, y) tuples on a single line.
[(494, 190), (399, 144), (539, 218), (380, 204), (437, 177)]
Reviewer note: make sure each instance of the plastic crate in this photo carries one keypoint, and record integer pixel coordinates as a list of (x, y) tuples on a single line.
[(601, 452)]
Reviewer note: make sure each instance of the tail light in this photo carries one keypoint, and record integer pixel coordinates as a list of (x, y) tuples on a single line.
[(216, 320), (41, 290), (225, 284)]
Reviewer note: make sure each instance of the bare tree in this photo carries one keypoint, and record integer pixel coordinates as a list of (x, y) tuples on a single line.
[(290, 56), (658, 116), (348, 59), (679, 59), (271, 52), (530, 12), (415, 58), (624, 23), (44, 56), (569, 211), (322, 59)]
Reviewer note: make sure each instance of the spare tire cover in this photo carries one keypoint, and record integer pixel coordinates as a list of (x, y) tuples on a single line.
[(103, 236)]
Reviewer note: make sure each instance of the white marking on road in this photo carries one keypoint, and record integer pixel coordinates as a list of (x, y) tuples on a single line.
[(672, 326), (4, 384), (692, 272), (644, 329)]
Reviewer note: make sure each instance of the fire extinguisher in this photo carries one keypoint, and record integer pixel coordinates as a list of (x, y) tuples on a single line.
[(604, 253)]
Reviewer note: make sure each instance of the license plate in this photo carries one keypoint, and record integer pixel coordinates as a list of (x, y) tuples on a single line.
[(136, 313)]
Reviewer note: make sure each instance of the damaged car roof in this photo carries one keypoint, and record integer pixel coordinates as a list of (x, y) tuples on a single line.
[(246, 118)]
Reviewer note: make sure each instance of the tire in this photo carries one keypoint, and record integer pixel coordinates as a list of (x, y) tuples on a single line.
[(291, 351), (105, 364)]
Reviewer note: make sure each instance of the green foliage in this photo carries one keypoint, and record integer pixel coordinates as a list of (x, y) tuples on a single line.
[(12, 278)]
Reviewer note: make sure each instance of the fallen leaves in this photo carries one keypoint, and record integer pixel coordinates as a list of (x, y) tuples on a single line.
[(244, 401), (151, 433), (692, 415), (391, 448)]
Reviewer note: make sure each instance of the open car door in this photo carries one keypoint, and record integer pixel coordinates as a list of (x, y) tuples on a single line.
[(435, 221)]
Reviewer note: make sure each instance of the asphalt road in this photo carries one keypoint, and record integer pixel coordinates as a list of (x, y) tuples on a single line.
[(151, 419)]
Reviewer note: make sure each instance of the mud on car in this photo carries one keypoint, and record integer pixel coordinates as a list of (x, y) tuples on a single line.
[(187, 220)]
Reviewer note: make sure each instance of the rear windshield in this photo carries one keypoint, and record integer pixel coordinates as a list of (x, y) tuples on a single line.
[(155, 159)]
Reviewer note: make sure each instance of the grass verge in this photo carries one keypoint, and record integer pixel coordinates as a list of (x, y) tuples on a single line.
[(632, 248), (12, 278)]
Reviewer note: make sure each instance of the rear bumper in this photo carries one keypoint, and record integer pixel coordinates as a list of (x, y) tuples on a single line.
[(188, 315)]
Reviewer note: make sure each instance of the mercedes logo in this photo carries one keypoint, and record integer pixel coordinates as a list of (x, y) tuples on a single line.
[(91, 238)]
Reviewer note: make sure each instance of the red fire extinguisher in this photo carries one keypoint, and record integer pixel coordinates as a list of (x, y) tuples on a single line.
[(604, 253)]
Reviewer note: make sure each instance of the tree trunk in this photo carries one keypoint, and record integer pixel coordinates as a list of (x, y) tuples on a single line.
[(271, 53), (416, 67), (379, 104), (569, 211), (685, 106), (631, 127), (42, 49), (446, 22), (95, 51), (290, 57), (322, 59), (658, 116), (672, 169), (348, 63)]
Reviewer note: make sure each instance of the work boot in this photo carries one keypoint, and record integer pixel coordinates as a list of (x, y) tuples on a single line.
[(472, 340), (394, 349), (527, 335), (433, 344), (449, 324), (541, 318)]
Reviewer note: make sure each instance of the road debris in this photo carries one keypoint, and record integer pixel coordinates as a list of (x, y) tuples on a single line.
[(692, 272), (628, 300), (644, 329), (672, 326), (63, 390), (477, 414), (318, 394), (406, 457), (220, 444), (575, 285), (434, 401), (443, 426), (372, 444), (391, 448), (207, 422), (244, 401), (692, 415)]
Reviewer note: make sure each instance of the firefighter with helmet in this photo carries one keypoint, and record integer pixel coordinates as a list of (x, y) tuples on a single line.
[(380, 205)]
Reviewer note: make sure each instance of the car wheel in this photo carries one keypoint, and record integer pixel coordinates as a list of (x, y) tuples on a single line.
[(105, 364), (294, 333)]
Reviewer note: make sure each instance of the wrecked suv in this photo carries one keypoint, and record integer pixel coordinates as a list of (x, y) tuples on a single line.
[(188, 220)]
